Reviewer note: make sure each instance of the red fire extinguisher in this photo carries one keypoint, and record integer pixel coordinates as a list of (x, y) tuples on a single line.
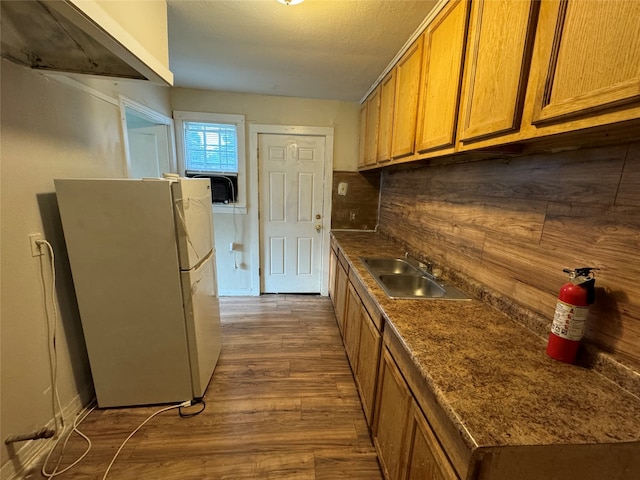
[(571, 314)]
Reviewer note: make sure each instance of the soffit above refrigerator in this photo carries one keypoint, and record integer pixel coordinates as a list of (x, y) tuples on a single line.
[(65, 36)]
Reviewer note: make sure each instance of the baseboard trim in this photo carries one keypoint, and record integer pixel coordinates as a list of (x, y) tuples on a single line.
[(25, 460)]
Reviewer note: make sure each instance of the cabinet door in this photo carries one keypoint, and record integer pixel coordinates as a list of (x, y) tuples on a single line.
[(497, 64), (385, 125), (351, 327), (362, 136), (391, 418), (406, 101), (342, 281), (333, 265), (591, 55), (368, 360), (441, 77), (426, 458), (373, 120)]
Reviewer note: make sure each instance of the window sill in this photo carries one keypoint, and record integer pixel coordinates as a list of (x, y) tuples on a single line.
[(232, 209)]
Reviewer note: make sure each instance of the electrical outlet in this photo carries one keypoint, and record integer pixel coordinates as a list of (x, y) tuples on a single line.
[(36, 250)]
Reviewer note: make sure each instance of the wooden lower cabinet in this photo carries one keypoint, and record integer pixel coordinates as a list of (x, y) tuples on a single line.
[(425, 458), (351, 326), (407, 447), (333, 265), (367, 365), (393, 408), (340, 292), (362, 342)]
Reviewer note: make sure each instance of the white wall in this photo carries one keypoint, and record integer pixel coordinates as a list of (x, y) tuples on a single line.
[(273, 110), (49, 130), (146, 21)]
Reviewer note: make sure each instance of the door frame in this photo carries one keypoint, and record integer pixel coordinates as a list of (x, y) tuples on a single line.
[(254, 131), (152, 116)]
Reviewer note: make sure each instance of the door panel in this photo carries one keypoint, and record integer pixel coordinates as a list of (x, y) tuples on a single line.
[(149, 150), (591, 57), (497, 67), (277, 256), (291, 172)]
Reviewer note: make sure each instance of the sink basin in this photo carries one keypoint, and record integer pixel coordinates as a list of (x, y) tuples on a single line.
[(410, 286), (390, 265), (400, 278)]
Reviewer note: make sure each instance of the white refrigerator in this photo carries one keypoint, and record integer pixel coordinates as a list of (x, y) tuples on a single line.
[(143, 265)]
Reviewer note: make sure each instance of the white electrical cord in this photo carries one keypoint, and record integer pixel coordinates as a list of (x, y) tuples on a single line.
[(52, 331), (53, 359), (76, 424), (183, 404)]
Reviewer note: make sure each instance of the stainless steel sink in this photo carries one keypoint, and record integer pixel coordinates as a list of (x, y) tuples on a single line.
[(390, 265), (411, 286), (400, 278)]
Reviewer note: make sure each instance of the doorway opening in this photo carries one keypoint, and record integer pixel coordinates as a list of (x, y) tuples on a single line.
[(149, 141)]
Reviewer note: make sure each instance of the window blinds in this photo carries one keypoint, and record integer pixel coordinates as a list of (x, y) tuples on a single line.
[(211, 147)]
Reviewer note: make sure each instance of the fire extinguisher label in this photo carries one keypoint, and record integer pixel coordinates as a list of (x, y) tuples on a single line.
[(569, 321)]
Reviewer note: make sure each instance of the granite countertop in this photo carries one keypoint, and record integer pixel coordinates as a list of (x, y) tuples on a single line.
[(491, 375)]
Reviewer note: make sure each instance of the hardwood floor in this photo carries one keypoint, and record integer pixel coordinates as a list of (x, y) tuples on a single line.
[(282, 404)]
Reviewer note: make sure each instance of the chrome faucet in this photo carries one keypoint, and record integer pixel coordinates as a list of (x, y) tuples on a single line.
[(426, 268)]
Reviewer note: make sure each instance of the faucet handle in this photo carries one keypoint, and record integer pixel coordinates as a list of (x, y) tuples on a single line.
[(427, 266)]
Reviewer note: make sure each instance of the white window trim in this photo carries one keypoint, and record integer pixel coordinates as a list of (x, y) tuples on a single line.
[(240, 207)]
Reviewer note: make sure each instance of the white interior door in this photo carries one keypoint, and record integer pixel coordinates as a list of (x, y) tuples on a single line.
[(148, 140), (145, 158), (291, 170)]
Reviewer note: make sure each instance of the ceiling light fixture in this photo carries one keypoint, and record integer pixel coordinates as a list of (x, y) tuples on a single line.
[(290, 2)]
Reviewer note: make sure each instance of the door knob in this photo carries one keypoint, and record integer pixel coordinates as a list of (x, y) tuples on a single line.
[(318, 227)]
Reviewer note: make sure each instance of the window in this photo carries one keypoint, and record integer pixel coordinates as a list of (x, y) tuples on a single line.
[(210, 147), (213, 145)]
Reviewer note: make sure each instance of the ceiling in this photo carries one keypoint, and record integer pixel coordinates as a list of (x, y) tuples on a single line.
[(326, 49)]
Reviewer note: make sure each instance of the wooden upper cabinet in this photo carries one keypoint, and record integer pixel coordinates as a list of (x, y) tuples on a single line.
[(405, 112), (385, 122), (498, 58), (591, 57), (444, 42), (362, 136), (373, 121)]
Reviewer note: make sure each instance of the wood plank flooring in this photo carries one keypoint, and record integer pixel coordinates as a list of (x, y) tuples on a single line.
[(282, 404)]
